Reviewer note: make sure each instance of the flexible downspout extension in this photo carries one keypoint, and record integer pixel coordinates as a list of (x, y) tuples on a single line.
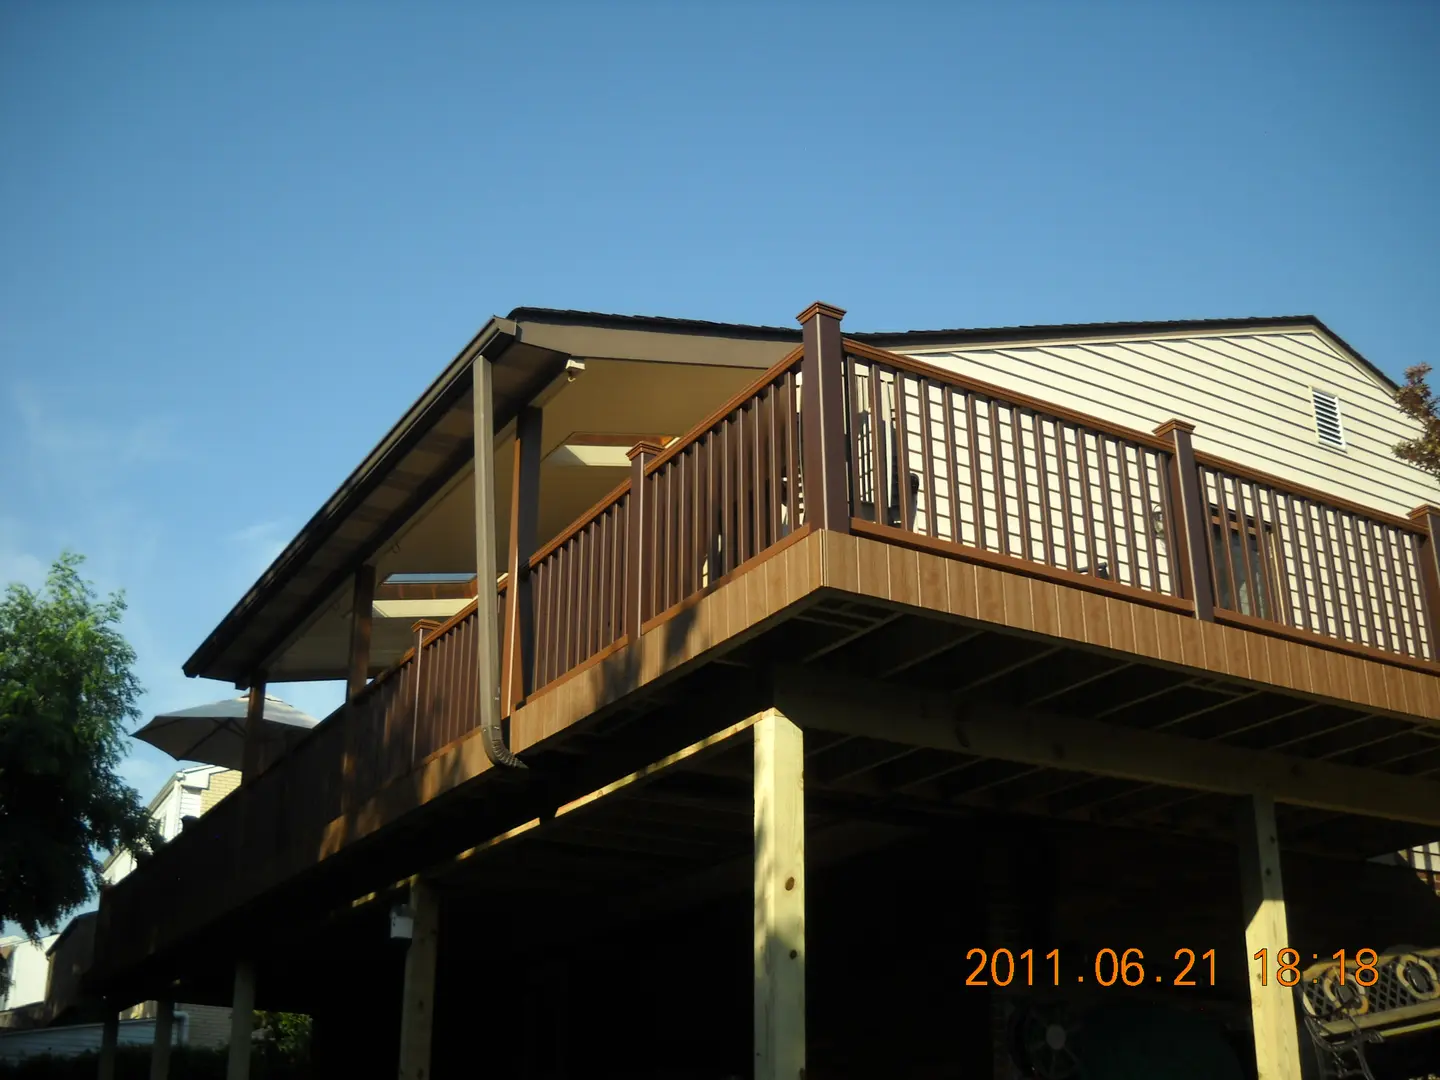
[(492, 732)]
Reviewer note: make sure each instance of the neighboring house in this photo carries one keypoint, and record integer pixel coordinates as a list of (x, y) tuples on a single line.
[(188, 793), (26, 970), (1046, 645), (49, 990)]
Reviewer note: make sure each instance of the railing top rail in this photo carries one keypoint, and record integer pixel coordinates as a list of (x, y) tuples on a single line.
[(965, 382), (789, 360), (568, 533), (1313, 494)]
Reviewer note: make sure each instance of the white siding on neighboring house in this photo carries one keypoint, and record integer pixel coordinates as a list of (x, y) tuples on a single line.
[(188, 793), (1250, 396), (28, 969), (73, 1039)]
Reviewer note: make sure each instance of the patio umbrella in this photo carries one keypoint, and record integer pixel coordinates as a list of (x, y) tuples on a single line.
[(214, 734)]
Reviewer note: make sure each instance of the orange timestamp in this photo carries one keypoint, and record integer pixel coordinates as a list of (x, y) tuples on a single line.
[(1364, 963), (1109, 967)]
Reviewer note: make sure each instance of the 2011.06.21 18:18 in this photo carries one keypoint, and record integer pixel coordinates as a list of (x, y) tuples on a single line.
[(1112, 967)]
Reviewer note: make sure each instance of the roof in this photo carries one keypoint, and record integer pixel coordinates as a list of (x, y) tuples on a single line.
[(433, 440), (954, 335)]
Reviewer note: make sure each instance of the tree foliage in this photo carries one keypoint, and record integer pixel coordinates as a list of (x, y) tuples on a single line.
[(66, 694), (1417, 401)]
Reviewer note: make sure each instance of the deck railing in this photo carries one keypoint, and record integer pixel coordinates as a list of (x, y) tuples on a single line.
[(992, 472), (929, 458), (1313, 563)]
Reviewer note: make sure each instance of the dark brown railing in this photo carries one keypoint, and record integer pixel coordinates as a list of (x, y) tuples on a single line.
[(724, 494), (967, 464), (1313, 563), (577, 588)]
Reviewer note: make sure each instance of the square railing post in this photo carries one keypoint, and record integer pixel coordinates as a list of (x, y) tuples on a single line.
[(1428, 516), (822, 420), (1191, 547)]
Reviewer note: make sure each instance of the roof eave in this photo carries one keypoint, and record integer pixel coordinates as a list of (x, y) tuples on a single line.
[(493, 339)]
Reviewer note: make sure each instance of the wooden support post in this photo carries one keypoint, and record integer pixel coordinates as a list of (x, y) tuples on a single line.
[(1272, 1006), (417, 1006), (362, 615), (164, 1038), (254, 731), (109, 1040), (1189, 549), (517, 666), (242, 1021), (779, 898), (362, 618), (1429, 517), (822, 420), (640, 535)]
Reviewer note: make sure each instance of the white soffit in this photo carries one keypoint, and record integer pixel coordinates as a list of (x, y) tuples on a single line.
[(419, 609)]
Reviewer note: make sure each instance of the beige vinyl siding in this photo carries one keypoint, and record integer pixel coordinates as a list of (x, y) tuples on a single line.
[(1248, 394)]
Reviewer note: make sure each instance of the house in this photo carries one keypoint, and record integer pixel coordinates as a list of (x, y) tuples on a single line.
[(52, 1012), (904, 704)]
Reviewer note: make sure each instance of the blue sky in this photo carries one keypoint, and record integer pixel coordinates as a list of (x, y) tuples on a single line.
[(236, 240)]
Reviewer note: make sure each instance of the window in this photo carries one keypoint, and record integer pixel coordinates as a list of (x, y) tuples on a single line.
[(1328, 425)]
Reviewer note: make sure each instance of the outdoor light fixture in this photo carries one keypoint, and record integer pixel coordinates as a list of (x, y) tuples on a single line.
[(402, 922), (574, 369)]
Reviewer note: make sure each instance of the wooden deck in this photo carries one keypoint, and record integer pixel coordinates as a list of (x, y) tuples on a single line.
[(858, 513)]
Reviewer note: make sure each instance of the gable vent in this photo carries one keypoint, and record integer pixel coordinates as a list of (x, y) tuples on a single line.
[(1327, 419)]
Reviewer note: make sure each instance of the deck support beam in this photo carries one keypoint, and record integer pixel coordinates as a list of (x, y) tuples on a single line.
[(832, 702), (779, 898), (1272, 1006), (417, 1006), (164, 1038), (242, 1021), (109, 1040)]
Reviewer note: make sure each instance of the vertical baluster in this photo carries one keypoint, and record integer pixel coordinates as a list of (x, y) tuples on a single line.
[(853, 398), (1042, 483), (1404, 541), (878, 428), (1297, 547), (792, 456), (1127, 514), (1022, 492), (904, 497), (1107, 503), (1242, 529), (1284, 603), (1087, 499), (1378, 562), (1427, 557), (997, 473), (1067, 499), (1143, 457), (1312, 550)]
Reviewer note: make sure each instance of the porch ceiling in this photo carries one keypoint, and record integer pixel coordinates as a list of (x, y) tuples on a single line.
[(409, 508)]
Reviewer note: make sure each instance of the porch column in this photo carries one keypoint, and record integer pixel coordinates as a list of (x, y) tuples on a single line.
[(779, 899), (109, 1040), (362, 617), (164, 1035), (1189, 549), (822, 419), (517, 668), (417, 1005), (1272, 1006), (254, 730), (242, 1021)]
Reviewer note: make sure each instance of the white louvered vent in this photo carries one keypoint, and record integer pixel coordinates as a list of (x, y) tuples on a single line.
[(1328, 424)]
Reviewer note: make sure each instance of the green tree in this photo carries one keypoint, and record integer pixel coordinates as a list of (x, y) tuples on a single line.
[(66, 695), (1417, 401)]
